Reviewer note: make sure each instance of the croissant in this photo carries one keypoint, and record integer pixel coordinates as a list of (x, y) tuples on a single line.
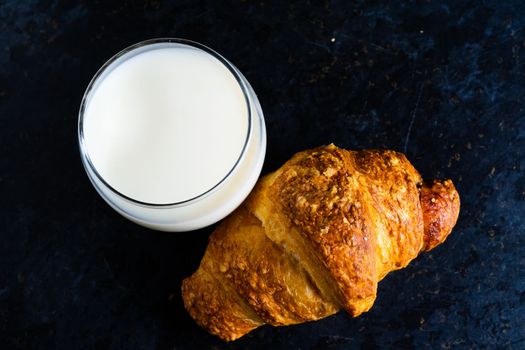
[(316, 236)]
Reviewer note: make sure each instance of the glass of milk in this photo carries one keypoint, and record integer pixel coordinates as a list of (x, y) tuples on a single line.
[(171, 134)]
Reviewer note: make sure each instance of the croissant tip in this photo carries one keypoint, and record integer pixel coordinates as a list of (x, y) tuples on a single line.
[(440, 204)]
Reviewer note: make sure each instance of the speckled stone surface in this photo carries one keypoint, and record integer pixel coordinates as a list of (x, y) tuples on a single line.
[(441, 81)]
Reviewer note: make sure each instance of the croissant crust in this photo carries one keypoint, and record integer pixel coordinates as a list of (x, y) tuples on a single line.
[(316, 236)]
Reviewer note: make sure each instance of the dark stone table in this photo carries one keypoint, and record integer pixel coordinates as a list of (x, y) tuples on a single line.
[(442, 82)]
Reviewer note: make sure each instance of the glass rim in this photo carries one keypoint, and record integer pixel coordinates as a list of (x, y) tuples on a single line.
[(86, 160)]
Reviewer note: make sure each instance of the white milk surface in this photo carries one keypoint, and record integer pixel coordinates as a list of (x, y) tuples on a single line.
[(166, 125)]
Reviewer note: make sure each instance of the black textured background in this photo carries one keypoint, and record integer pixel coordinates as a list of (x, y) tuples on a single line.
[(441, 81)]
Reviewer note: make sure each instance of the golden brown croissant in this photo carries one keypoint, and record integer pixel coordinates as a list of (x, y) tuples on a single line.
[(316, 236)]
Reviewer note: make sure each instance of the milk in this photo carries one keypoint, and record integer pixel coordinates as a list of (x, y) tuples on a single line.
[(172, 135), (166, 125)]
